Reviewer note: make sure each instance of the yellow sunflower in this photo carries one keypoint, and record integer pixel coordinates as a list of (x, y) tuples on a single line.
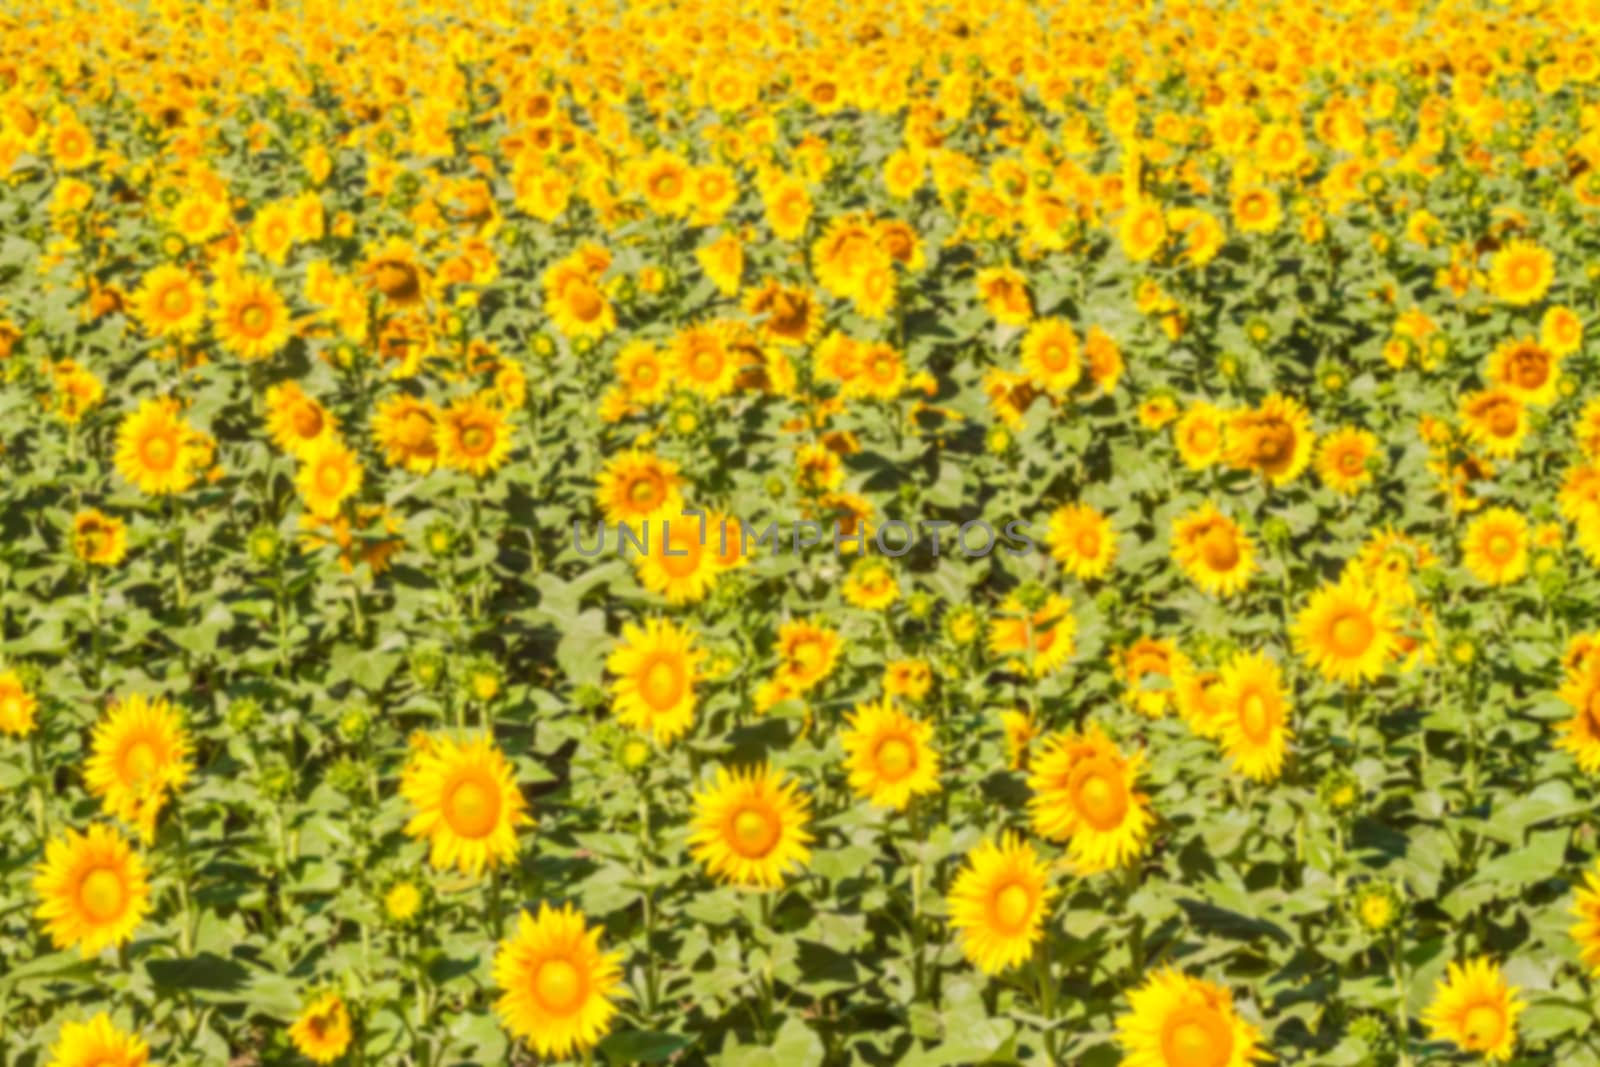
[(749, 827), (157, 450), (472, 435), (1495, 546), (1146, 667), (1526, 369), (1274, 439), (94, 890), (1198, 435), (1083, 794), (170, 302), (556, 984), (1343, 457), (322, 1030), (296, 420), (1346, 631), (889, 755), (1050, 355), (1254, 726), (1580, 735), (1198, 694), (1179, 1021), (643, 372), (17, 705), (579, 308), (1474, 1008), (1039, 640), (1521, 273), (466, 803), (703, 362), (98, 1043), (1082, 540), (807, 653), (394, 271), (656, 668), (1215, 553), (636, 487), (677, 561), (407, 429), (250, 318), (1004, 292), (871, 584), (98, 539), (1586, 909), (999, 902), (138, 754), (329, 475), (1495, 420)]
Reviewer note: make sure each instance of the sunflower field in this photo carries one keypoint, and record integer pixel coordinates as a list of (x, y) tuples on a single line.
[(917, 532)]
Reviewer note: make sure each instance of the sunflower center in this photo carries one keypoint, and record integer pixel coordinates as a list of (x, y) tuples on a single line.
[(755, 832), (1350, 633), (254, 319), (1102, 800), (1483, 1026), (1196, 1037), (645, 491), (1054, 356), (1502, 421), (705, 365), (1351, 463), (139, 761), (307, 420), (398, 281), (1500, 546), (684, 559), (1088, 543), (1531, 370), (475, 440), (1220, 549), (472, 808), (662, 684), (159, 451), (895, 759), (175, 301), (558, 985), (102, 894), (1012, 907), (330, 478), (666, 185), (1203, 438), (1524, 275), (1255, 717), (1274, 446), (584, 302)]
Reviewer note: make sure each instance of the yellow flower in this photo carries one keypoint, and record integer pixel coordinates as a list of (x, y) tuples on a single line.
[(749, 827), (1474, 1008), (402, 902), (98, 1043), (1179, 1021), (1521, 273), (655, 671), (703, 362), (1345, 631), (250, 319), (295, 420), (1213, 551), (1342, 459), (472, 435), (1495, 420), (322, 1030), (1083, 793), (889, 755), (636, 487), (329, 475), (157, 450), (1082, 540), (1274, 439), (466, 803), (807, 652), (170, 302), (138, 754), (94, 890), (870, 585), (677, 561), (1254, 722), (556, 985), (1198, 436), (999, 902), (1586, 909), (1526, 369), (1041, 640), (98, 539), (1495, 546), (1050, 355), (1004, 291), (1580, 735), (17, 705), (407, 429)]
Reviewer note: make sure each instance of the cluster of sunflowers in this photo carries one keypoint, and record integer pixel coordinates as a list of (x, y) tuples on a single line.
[(404, 410)]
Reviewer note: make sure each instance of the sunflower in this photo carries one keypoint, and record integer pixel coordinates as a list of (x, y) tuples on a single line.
[(1342, 459), (1526, 369), (870, 585), (1213, 550), (98, 1043), (1495, 546), (1495, 420), (656, 669), (17, 705), (1198, 435), (579, 308), (1082, 540), (1561, 331), (98, 539), (1198, 694), (807, 652), (329, 475), (1142, 230), (663, 180), (636, 487), (1050, 355), (703, 362), (1521, 273), (322, 1030), (556, 985), (250, 319), (296, 420), (472, 436), (675, 560), (94, 890), (841, 256), (1254, 724), (1580, 735), (723, 262), (999, 902), (643, 372), (1144, 659), (1474, 1008), (1346, 631), (889, 755), (1179, 1021), (170, 302), (395, 273), (749, 827), (406, 428), (1004, 291), (157, 450), (1042, 639), (1083, 793), (1257, 209), (1274, 439), (466, 803), (138, 754), (1586, 909)]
